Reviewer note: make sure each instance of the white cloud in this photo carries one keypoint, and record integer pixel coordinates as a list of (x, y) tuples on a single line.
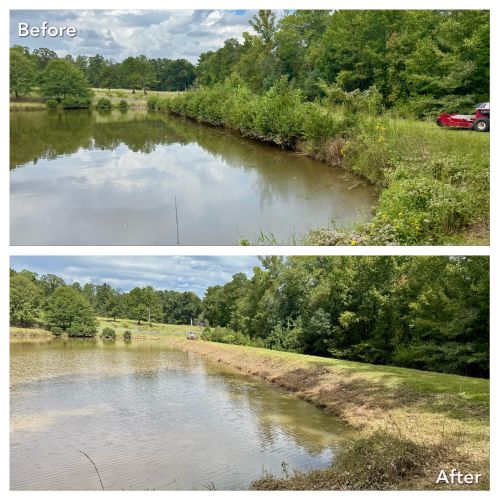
[(179, 272), (120, 33)]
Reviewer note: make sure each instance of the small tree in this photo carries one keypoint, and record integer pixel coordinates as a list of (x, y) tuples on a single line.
[(63, 80)]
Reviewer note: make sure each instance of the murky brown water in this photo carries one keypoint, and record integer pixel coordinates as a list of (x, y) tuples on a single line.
[(151, 417), (84, 178)]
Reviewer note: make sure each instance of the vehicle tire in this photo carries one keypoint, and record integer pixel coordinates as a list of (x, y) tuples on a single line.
[(482, 125), (439, 123)]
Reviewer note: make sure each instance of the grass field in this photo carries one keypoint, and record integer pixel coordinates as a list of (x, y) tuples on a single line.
[(135, 100), (153, 331)]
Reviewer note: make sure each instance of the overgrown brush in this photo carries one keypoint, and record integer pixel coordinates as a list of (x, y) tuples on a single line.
[(434, 183), (381, 461)]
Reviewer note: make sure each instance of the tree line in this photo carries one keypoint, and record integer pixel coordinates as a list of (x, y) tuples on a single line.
[(414, 58), (48, 300), (429, 313), (44, 69)]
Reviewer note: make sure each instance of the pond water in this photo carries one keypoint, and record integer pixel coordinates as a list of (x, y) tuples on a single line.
[(151, 417), (88, 178)]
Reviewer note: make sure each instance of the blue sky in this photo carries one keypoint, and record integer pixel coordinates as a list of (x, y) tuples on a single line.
[(117, 34), (182, 273)]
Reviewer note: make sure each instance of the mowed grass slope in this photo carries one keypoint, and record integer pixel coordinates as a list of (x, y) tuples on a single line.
[(427, 421)]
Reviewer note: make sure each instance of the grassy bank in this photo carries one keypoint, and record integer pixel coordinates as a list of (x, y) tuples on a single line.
[(434, 182), (411, 423), (16, 331)]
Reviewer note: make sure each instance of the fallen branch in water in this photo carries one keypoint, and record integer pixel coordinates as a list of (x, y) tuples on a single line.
[(95, 467)]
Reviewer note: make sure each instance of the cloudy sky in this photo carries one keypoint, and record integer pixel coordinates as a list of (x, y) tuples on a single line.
[(182, 273), (117, 34)]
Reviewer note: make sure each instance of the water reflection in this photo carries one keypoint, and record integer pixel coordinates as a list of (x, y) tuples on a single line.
[(152, 418), (87, 178)]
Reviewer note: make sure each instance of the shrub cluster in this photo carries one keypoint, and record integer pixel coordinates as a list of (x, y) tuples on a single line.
[(51, 104), (123, 105), (280, 115), (56, 331), (103, 103), (108, 334), (82, 330), (75, 103), (228, 336)]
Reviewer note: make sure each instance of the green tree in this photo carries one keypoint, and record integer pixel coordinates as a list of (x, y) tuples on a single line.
[(62, 80), (69, 309), (50, 282), (94, 72), (22, 73), (25, 299), (109, 76), (138, 73), (143, 304), (42, 57)]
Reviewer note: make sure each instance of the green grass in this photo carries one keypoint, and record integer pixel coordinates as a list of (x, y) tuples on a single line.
[(137, 99), (27, 106), (473, 389), (155, 330), (134, 100)]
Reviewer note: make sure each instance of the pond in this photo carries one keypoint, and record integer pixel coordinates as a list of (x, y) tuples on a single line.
[(152, 417), (143, 178)]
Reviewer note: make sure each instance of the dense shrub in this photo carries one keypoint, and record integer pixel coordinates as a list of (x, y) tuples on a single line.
[(103, 103), (52, 104), (56, 331), (276, 116), (429, 107), (82, 330), (127, 335), (108, 334), (152, 102), (75, 103), (281, 339), (123, 105), (227, 336)]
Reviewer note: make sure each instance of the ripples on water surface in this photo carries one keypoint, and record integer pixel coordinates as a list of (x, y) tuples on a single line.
[(152, 418), (84, 178)]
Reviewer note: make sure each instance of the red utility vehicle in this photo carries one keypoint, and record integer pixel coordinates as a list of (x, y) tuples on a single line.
[(480, 121)]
